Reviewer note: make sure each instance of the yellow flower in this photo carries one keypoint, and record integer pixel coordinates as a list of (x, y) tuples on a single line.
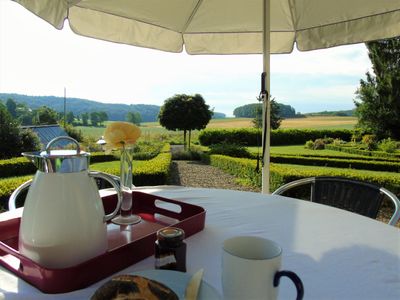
[(120, 134)]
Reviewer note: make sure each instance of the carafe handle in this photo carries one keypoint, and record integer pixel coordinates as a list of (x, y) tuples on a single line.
[(14, 195), (116, 186)]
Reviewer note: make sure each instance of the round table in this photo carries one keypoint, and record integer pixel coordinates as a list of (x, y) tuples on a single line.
[(337, 254)]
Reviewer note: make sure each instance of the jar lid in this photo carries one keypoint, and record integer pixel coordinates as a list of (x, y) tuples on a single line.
[(171, 235)]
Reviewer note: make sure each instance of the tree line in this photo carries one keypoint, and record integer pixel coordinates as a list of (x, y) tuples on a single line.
[(45, 115)]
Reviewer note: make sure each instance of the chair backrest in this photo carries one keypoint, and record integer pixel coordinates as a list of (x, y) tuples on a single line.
[(356, 196)]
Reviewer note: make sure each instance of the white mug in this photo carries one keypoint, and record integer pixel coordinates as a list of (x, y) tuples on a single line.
[(251, 269)]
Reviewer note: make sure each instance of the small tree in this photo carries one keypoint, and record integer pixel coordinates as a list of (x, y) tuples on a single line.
[(94, 118), (70, 117), (275, 117), (103, 116), (378, 105), (13, 141), (85, 119), (45, 116), (186, 113), (133, 117), (12, 107)]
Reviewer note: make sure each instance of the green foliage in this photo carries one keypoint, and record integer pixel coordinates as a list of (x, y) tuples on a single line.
[(12, 107), (44, 116), (388, 145), (195, 153), (252, 136), (309, 145), (370, 141), (275, 118), (73, 132), (233, 150), (7, 186), (281, 174), (278, 109), (301, 136), (243, 136), (133, 117), (378, 154), (17, 166), (319, 144), (13, 140), (378, 105), (186, 113), (335, 162), (115, 112)]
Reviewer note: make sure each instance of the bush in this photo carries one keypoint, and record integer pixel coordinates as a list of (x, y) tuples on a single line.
[(230, 150), (388, 145), (319, 144), (370, 141), (309, 145)]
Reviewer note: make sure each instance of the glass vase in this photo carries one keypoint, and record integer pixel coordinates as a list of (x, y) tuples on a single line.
[(126, 217)]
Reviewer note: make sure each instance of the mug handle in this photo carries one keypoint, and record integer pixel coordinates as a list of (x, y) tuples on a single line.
[(296, 280)]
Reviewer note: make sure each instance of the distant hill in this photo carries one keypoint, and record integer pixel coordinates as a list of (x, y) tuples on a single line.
[(115, 112)]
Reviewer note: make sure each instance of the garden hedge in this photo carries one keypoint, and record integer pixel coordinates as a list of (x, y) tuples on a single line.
[(152, 172), (20, 166), (281, 174), (386, 166), (378, 154), (252, 136)]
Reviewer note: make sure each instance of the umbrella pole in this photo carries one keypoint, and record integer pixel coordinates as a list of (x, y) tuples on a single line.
[(266, 97)]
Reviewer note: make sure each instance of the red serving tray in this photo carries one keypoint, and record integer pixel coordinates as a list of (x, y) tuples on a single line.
[(126, 245)]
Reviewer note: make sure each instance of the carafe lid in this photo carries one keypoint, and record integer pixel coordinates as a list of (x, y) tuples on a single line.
[(60, 161)]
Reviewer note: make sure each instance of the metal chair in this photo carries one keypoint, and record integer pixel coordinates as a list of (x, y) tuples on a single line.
[(356, 196)]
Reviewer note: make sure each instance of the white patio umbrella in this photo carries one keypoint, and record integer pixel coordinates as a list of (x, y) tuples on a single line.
[(227, 27)]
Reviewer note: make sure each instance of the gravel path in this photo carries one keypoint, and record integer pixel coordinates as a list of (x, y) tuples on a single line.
[(198, 174)]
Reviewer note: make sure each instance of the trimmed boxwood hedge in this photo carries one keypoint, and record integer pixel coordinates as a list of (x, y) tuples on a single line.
[(387, 166), (281, 174), (20, 166), (152, 172), (252, 136), (377, 154)]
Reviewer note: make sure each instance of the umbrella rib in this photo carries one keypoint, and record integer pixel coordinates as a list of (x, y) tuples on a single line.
[(194, 11)]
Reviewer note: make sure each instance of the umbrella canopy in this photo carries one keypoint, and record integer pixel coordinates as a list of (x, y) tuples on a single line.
[(224, 26), (227, 27)]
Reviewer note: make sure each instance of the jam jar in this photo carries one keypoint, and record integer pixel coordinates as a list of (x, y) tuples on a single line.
[(170, 250)]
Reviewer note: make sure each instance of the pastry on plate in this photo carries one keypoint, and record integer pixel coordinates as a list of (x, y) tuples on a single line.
[(133, 287)]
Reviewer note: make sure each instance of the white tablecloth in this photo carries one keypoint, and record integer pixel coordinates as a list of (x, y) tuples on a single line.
[(337, 254)]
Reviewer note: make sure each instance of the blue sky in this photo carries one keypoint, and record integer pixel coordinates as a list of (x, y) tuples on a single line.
[(37, 59)]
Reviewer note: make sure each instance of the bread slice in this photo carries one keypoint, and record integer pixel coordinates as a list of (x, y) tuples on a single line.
[(133, 287)]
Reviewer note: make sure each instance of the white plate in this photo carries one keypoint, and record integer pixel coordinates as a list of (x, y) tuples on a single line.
[(177, 281)]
